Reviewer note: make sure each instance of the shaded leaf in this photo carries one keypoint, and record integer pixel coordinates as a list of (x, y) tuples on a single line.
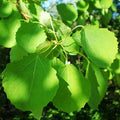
[(5, 9), (106, 17), (77, 37), (70, 46), (8, 29), (67, 12), (98, 86), (17, 53), (82, 5), (115, 66)]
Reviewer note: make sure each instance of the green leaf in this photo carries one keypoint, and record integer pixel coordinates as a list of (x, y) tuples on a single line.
[(115, 67), (81, 20), (100, 45), (1, 3), (74, 89), (98, 86), (30, 83), (70, 46), (44, 18), (57, 64), (5, 9), (113, 7), (106, 16), (49, 49), (37, 114), (82, 5), (30, 36), (61, 29), (8, 29), (94, 21), (24, 8), (103, 4), (17, 53), (77, 37), (35, 10), (45, 46), (67, 12)]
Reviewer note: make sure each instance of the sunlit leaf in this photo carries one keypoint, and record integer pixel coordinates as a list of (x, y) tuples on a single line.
[(30, 83), (30, 36), (103, 4), (100, 45), (74, 89), (44, 18)]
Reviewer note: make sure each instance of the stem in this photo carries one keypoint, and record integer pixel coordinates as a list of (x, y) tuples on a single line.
[(65, 53), (53, 29), (78, 26), (20, 11), (45, 47), (50, 51), (87, 70), (83, 56)]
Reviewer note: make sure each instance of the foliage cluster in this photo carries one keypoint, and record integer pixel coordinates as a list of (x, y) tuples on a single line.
[(67, 61)]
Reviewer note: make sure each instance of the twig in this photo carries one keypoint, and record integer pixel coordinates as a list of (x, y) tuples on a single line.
[(53, 30), (20, 11)]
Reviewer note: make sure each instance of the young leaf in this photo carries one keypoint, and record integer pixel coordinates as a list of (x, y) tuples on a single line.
[(74, 89), (8, 29), (61, 29), (70, 46), (100, 45), (17, 53), (30, 83), (30, 36), (98, 86), (77, 37), (67, 12)]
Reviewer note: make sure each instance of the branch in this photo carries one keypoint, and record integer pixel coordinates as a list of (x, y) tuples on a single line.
[(20, 11)]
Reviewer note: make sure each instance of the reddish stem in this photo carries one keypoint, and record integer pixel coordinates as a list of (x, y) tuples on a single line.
[(20, 11)]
